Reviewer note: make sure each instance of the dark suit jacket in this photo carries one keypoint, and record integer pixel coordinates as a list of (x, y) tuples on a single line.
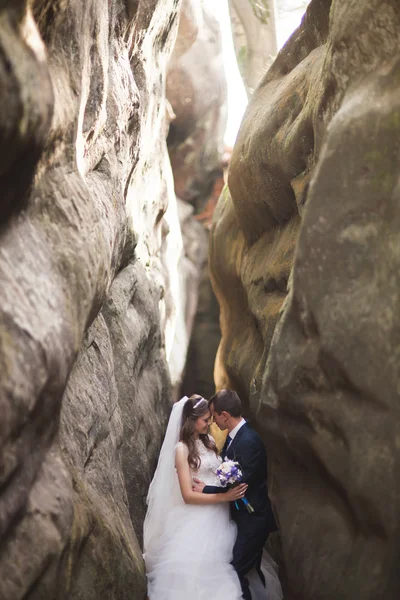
[(247, 448)]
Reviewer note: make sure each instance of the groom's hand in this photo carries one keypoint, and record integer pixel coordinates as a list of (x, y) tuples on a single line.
[(198, 485)]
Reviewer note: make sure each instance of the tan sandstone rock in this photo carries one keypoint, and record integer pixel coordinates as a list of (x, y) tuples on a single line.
[(314, 191), (87, 209)]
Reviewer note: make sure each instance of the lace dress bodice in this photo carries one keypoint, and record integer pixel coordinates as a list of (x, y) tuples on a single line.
[(209, 464)]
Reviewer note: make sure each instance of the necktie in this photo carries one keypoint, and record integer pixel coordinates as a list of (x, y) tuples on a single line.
[(227, 442)]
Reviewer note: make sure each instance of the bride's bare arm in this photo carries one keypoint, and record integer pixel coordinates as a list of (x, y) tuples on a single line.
[(185, 483)]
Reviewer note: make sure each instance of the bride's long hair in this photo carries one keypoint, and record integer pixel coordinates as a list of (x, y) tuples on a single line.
[(196, 406)]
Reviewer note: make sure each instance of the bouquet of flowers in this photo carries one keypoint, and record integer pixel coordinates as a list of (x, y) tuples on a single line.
[(230, 473)]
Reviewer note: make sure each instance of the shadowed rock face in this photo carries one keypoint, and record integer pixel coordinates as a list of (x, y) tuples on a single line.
[(258, 216), (85, 385), (196, 89), (26, 108), (325, 391)]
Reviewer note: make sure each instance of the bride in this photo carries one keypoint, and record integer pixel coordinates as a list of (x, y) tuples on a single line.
[(188, 536)]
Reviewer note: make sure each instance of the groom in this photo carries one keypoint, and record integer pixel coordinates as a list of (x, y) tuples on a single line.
[(245, 446)]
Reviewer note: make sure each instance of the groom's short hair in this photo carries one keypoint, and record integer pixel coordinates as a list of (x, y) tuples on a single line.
[(228, 401)]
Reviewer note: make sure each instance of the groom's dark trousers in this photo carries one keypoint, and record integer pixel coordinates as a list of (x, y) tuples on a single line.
[(248, 450)]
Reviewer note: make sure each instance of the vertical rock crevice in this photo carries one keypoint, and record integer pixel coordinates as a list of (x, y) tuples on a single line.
[(197, 92)]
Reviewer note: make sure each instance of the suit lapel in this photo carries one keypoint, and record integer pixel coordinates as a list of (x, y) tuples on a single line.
[(230, 453)]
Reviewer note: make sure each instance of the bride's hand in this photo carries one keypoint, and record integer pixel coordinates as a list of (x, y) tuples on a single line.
[(236, 493)]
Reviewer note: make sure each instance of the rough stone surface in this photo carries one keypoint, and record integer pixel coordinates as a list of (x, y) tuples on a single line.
[(90, 244), (317, 161), (196, 89), (258, 216), (114, 411)]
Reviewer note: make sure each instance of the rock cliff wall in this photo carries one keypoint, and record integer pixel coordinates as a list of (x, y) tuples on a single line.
[(307, 236), (95, 269)]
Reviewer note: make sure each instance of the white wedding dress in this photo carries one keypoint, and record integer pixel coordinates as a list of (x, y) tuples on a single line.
[(188, 548), (195, 548)]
